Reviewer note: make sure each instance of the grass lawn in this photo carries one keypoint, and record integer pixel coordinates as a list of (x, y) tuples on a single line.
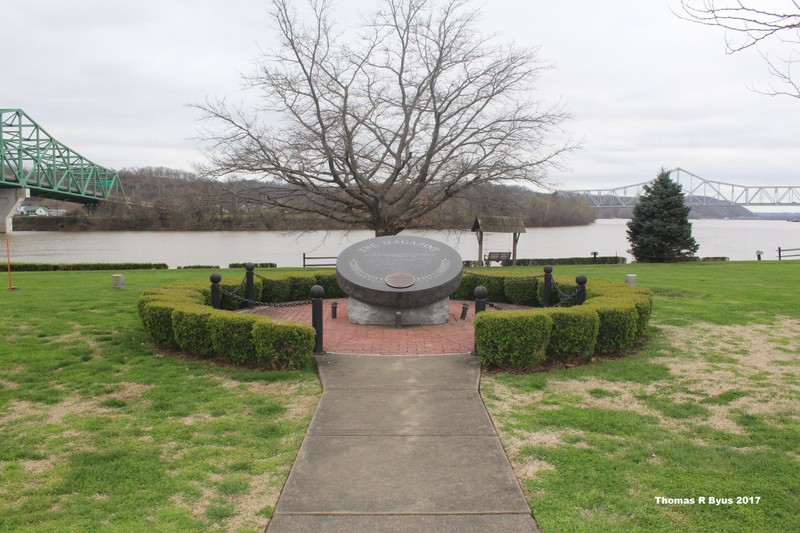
[(100, 433), (708, 408)]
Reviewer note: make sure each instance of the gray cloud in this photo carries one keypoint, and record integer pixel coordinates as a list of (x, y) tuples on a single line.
[(112, 81)]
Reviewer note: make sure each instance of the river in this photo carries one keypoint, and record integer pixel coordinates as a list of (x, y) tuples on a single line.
[(735, 239)]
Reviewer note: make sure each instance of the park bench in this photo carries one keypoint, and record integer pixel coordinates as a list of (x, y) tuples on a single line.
[(310, 261), (497, 256)]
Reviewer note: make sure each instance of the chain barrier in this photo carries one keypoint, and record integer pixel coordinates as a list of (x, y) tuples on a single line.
[(233, 294), (565, 298)]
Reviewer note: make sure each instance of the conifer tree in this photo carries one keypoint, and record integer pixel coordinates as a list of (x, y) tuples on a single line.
[(659, 230)]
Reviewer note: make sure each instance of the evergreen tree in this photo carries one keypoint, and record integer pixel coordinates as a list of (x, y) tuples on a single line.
[(659, 229)]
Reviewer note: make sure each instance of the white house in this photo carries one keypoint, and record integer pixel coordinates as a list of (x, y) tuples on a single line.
[(33, 211)]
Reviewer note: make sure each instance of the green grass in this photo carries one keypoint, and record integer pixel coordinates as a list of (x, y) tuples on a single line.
[(102, 433), (708, 407)]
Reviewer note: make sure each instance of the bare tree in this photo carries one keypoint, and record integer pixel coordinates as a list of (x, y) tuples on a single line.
[(748, 24), (378, 128)]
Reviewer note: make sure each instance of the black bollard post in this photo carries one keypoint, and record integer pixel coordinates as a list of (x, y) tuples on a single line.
[(481, 293), (480, 305), (334, 308), (317, 292), (580, 298), (216, 295), (249, 287), (398, 319), (464, 311), (548, 284)]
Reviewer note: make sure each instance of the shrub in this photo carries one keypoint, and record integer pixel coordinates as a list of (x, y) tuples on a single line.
[(600, 260), (157, 319), (521, 290), (231, 336), (275, 290), (281, 345), (178, 316), (512, 339), (613, 318), (231, 303), (255, 265), (619, 323), (470, 280), (574, 332), (192, 330), (327, 280), (643, 301), (45, 267), (300, 286)]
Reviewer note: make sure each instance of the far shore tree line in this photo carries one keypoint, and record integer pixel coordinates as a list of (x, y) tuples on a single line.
[(165, 199)]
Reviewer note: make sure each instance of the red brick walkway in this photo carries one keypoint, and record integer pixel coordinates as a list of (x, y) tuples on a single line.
[(340, 336)]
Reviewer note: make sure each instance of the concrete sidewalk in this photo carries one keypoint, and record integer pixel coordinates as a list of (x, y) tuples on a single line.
[(401, 443)]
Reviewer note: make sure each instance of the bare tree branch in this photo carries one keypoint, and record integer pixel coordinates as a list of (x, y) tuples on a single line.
[(747, 26), (380, 128)]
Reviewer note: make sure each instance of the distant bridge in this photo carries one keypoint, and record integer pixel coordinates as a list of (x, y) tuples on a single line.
[(698, 192), (31, 158), (33, 163)]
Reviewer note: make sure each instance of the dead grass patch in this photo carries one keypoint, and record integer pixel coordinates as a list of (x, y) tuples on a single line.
[(129, 391), (8, 384), (264, 491), (713, 360), (36, 466)]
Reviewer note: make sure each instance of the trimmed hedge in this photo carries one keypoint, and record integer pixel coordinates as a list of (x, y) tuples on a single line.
[(50, 267), (522, 291), (575, 332), (512, 339), (600, 260), (613, 318), (255, 265), (178, 316)]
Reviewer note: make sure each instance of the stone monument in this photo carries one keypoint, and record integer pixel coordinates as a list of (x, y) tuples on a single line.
[(414, 276)]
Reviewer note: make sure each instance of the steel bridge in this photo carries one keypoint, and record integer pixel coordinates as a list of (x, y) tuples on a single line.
[(697, 191), (32, 159)]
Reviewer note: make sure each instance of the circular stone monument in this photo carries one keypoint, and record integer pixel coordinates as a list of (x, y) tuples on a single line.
[(412, 275)]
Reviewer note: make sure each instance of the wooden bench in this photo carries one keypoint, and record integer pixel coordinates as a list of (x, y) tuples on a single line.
[(497, 256), (309, 261)]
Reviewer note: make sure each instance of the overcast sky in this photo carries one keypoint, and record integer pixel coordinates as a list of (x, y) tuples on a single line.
[(111, 79)]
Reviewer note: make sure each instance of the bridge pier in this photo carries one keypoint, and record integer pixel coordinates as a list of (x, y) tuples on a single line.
[(10, 200)]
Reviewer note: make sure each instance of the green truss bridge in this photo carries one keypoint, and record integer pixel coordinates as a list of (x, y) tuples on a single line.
[(34, 163)]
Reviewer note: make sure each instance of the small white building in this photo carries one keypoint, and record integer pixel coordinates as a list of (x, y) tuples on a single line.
[(33, 211)]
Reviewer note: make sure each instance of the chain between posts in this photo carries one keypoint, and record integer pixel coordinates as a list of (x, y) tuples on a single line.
[(565, 298), (255, 303)]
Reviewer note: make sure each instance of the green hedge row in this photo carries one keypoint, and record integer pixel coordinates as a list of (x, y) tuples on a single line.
[(179, 317), (600, 260), (613, 318), (47, 267), (518, 289), (280, 287), (255, 265)]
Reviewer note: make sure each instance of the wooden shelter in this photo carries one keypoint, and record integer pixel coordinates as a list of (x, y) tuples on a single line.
[(498, 224)]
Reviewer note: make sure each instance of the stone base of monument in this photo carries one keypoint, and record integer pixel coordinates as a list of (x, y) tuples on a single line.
[(359, 312)]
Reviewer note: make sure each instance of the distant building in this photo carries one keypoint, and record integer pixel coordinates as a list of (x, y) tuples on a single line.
[(33, 211)]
